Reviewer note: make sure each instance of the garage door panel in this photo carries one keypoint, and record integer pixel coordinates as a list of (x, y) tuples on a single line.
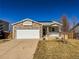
[(27, 34)]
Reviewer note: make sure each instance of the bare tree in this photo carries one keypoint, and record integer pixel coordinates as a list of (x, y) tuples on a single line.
[(65, 27)]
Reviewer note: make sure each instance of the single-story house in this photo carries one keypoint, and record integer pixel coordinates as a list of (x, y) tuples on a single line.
[(30, 29), (4, 29), (75, 31)]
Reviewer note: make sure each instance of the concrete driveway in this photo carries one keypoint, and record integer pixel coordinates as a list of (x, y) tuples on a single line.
[(18, 49)]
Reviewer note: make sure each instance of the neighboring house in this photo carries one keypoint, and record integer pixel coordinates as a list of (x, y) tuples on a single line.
[(4, 25), (4, 28), (30, 29), (75, 31)]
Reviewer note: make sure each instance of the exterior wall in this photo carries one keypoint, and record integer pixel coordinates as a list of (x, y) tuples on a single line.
[(57, 32), (77, 29), (21, 26), (75, 32)]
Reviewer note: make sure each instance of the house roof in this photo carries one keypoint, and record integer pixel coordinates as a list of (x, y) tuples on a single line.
[(55, 22), (3, 21), (25, 20), (45, 21), (51, 23), (39, 22), (74, 27)]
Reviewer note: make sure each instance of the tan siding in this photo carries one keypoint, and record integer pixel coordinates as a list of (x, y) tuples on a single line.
[(21, 26)]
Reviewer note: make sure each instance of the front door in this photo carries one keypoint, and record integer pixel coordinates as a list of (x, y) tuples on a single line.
[(44, 30)]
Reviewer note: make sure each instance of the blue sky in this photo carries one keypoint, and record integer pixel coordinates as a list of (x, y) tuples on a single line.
[(15, 10)]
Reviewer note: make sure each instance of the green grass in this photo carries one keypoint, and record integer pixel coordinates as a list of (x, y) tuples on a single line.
[(53, 49)]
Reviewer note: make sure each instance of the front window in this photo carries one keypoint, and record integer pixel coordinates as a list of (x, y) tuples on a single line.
[(55, 29)]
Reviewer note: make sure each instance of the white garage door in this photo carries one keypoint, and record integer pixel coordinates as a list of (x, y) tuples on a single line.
[(27, 34)]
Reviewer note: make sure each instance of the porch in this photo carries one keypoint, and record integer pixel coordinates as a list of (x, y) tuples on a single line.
[(52, 30)]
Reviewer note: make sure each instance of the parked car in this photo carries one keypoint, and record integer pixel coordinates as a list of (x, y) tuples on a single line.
[(2, 34)]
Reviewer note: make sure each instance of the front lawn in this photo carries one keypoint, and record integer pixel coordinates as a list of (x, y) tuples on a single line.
[(53, 49)]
